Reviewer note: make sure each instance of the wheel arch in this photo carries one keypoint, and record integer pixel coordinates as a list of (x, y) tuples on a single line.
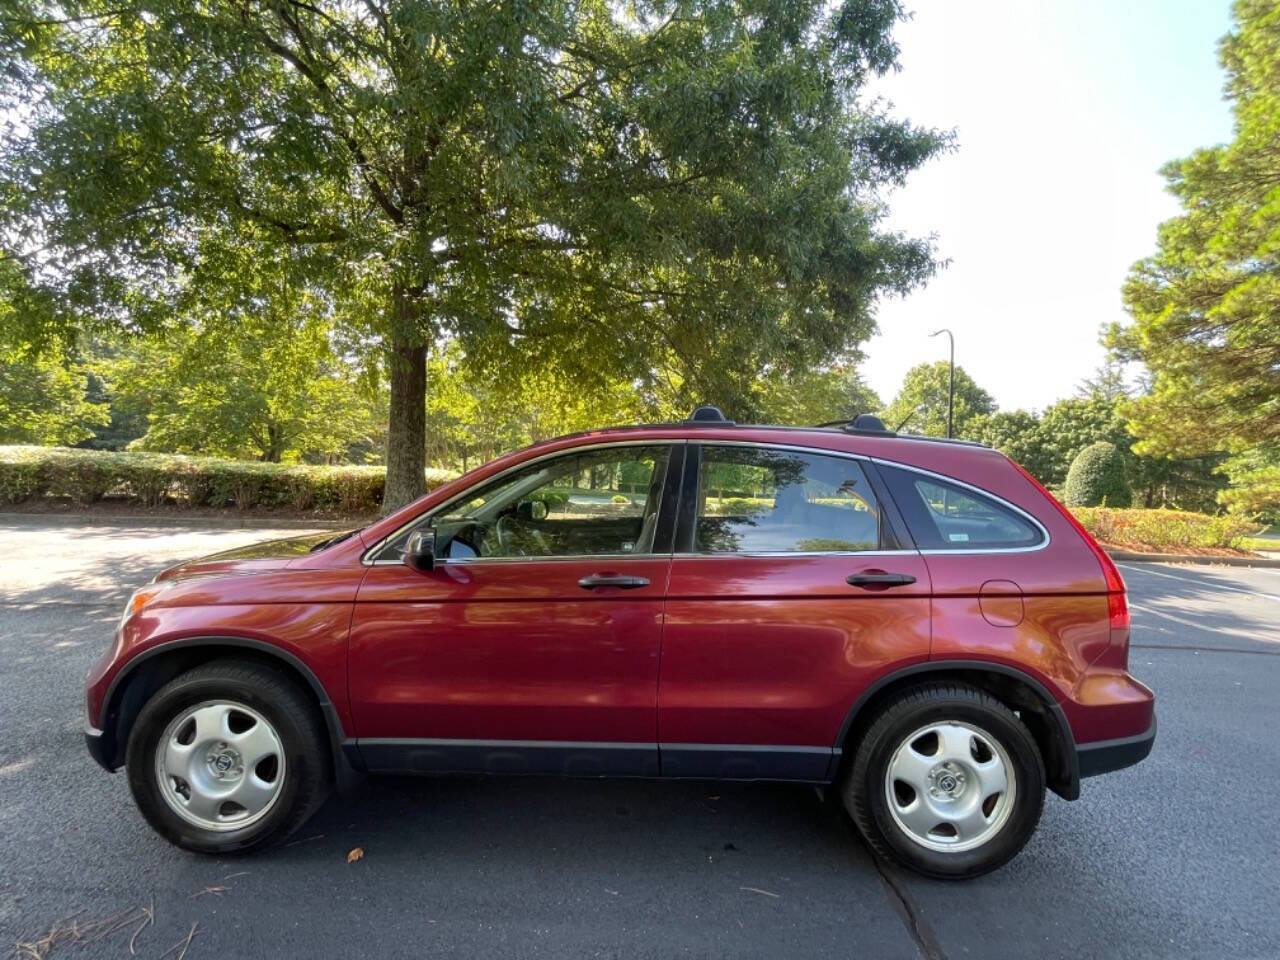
[(1015, 688), (150, 670)]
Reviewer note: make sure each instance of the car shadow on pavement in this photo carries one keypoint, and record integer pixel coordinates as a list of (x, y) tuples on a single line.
[(1205, 607)]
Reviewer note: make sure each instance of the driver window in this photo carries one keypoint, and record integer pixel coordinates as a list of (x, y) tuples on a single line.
[(585, 504)]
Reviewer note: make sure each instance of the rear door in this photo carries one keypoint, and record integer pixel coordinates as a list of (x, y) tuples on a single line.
[(791, 589)]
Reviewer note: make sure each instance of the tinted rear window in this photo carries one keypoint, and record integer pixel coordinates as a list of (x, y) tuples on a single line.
[(947, 516)]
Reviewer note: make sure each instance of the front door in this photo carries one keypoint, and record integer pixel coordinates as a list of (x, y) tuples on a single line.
[(533, 645), (791, 589)]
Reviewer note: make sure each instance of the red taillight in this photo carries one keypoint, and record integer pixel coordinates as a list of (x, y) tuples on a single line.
[(1118, 608)]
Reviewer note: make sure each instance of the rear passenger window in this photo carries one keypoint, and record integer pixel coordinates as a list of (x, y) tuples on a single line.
[(757, 500), (945, 516)]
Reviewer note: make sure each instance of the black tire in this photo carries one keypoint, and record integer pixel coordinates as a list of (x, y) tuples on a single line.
[(864, 787), (308, 768)]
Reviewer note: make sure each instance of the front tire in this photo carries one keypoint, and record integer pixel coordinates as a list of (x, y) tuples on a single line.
[(946, 781), (227, 756)]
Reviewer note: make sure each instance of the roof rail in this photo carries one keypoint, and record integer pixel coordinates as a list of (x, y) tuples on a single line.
[(707, 415)]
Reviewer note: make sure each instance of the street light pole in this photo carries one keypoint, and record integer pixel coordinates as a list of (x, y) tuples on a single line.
[(951, 387)]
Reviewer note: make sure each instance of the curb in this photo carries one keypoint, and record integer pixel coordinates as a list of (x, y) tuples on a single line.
[(1128, 556), (204, 523)]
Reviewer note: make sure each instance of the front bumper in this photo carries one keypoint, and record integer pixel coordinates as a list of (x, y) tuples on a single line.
[(97, 745), (1104, 756)]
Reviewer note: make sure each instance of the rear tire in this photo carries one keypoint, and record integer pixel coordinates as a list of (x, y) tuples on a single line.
[(227, 756), (946, 781)]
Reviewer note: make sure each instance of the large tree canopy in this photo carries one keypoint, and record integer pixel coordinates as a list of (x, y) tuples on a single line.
[(921, 403), (1206, 306), (687, 186)]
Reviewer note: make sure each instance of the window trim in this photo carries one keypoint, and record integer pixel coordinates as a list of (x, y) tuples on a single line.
[(687, 518), (371, 558), (986, 494)]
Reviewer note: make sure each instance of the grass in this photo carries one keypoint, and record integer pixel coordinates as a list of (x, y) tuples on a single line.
[(1257, 543)]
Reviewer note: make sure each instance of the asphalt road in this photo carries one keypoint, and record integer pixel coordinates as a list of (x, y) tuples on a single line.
[(1174, 858)]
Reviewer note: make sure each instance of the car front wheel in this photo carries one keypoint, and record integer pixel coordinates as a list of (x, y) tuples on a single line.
[(227, 756), (947, 781)]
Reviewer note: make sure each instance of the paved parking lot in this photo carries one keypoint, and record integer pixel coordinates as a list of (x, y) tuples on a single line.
[(1174, 858)]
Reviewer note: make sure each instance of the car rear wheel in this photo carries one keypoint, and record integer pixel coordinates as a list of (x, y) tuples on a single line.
[(947, 781), (227, 756)]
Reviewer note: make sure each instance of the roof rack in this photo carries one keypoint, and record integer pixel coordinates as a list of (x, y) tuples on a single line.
[(869, 425), (863, 425), (709, 416)]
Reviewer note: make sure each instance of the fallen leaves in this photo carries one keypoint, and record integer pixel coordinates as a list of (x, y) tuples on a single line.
[(356, 853)]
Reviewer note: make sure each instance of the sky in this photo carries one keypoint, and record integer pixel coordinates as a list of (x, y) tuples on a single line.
[(1064, 111)]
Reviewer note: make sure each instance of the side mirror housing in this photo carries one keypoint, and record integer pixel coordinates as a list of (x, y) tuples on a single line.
[(420, 551)]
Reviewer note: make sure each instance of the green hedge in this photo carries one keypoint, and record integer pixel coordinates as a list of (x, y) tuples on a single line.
[(1096, 478), (86, 476), (1165, 530)]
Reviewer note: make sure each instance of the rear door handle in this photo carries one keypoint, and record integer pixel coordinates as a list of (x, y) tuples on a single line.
[(612, 580), (879, 579)]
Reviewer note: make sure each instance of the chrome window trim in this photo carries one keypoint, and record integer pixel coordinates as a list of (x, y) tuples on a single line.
[(799, 553), (369, 557), (717, 441), (937, 552)]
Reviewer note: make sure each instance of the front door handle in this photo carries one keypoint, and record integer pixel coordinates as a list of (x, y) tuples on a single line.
[(612, 580), (879, 579)]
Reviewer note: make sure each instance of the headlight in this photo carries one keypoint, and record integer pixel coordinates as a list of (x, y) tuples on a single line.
[(140, 598)]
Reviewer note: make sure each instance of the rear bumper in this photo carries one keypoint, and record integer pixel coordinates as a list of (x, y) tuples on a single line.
[(1104, 756)]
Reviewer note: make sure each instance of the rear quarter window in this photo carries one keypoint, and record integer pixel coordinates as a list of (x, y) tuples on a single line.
[(948, 516)]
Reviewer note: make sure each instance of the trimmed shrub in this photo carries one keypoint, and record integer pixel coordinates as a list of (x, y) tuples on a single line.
[(1096, 478), (1164, 529), (21, 475), (86, 476)]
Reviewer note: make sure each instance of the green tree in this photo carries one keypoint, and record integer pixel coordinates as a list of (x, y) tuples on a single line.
[(808, 397), (1018, 435), (1206, 306), (1071, 424), (45, 400), (270, 390), (1096, 477), (661, 185), (472, 417), (921, 403)]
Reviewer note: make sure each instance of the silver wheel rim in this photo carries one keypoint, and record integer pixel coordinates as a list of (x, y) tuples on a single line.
[(950, 786), (220, 765)]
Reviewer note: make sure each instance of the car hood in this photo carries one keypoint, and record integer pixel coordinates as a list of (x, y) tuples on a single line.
[(253, 557)]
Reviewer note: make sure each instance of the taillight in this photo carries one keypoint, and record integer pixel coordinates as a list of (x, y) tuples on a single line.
[(1117, 602), (1118, 608)]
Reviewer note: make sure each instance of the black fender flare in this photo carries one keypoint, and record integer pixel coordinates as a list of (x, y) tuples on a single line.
[(1068, 790), (344, 751)]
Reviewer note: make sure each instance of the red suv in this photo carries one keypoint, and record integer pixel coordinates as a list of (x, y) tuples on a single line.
[(917, 622)]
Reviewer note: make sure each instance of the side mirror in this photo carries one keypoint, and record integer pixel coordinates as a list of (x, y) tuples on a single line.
[(420, 551)]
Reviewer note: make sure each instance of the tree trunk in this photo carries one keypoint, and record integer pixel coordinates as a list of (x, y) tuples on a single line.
[(407, 431)]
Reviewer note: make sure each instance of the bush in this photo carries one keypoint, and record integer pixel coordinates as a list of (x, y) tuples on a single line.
[(86, 476), (21, 475), (1096, 478), (1164, 529)]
